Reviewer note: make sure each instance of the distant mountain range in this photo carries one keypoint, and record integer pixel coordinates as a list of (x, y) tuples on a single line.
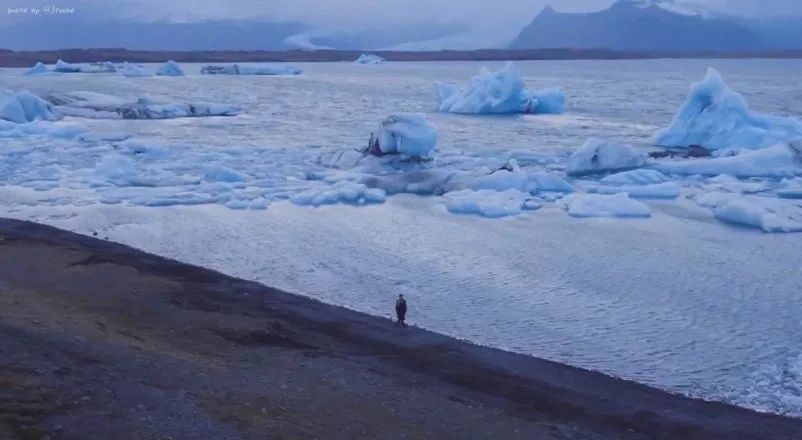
[(641, 25), (627, 25), (47, 33)]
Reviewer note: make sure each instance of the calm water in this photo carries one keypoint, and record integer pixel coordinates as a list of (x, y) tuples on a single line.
[(678, 301)]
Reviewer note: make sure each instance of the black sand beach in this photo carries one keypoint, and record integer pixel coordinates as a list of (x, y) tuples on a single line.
[(102, 341)]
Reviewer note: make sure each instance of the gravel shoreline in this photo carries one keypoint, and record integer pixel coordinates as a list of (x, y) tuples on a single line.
[(99, 340)]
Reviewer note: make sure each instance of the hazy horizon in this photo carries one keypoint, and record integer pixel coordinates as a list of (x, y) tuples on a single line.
[(457, 24)]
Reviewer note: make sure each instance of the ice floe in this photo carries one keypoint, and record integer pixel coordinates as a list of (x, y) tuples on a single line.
[(134, 71), (490, 203), (635, 177), (601, 205), (23, 106), (715, 117), (501, 92), (340, 192), (403, 133), (597, 156), (781, 160), (369, 58), (667, 190), (170, 68), (40, 69), (93, 105), (65, 67), (510, 177), (245, 69), (770, 215)]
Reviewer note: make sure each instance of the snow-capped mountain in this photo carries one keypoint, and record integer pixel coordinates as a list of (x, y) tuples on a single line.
[(647, 25)]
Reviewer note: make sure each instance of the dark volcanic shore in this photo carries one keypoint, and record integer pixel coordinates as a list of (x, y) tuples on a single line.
[(10, 58), (102, 341)]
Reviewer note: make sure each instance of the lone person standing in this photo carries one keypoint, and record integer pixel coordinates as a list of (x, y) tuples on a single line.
[(401, 310)]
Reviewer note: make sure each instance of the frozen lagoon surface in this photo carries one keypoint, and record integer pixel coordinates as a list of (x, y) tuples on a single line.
[(678, 300)]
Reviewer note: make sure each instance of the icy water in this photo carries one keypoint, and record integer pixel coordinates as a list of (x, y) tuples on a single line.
[(679, 300)]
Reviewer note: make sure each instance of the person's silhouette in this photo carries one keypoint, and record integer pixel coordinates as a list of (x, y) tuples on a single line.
[(401, 310)]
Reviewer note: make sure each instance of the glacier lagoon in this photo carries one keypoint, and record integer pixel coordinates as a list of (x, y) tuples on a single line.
[(678, 300)]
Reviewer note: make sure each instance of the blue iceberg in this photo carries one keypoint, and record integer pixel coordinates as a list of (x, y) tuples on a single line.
[(403, 133), (23, 106), (170, 68), (501, 92), (715, 117)]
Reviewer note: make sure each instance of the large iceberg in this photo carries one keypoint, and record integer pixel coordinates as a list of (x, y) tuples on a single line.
[(23, 106), (499, 92), (243, 69), (170, 68), (403, 133), (99, 106), (369, 58), (715, 117), (781, 160), (597, 156), (134, 71)]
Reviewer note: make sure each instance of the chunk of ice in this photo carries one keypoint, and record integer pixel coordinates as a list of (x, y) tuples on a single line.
[(600, 205), (716, 117), (597, 156), (501, 92)]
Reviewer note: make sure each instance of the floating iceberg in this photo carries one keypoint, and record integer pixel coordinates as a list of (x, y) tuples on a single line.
[(134, 71), (170, 68), (500, 92), (715, 117), (100, 67), (65, 67), (635, 177), (667, 190), (99, 106), (549, 182), (600, 205), (769, 215), (369, 58), (340, 192), (490, 203), (40, 69), (240, 69), (782, 160), (403, 133), (23, 106), (597, 156)]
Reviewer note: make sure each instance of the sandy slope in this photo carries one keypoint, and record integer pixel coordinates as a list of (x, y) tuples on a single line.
[(99, 340)]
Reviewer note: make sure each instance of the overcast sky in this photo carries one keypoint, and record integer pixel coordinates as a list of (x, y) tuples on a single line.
[(372, 13)]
